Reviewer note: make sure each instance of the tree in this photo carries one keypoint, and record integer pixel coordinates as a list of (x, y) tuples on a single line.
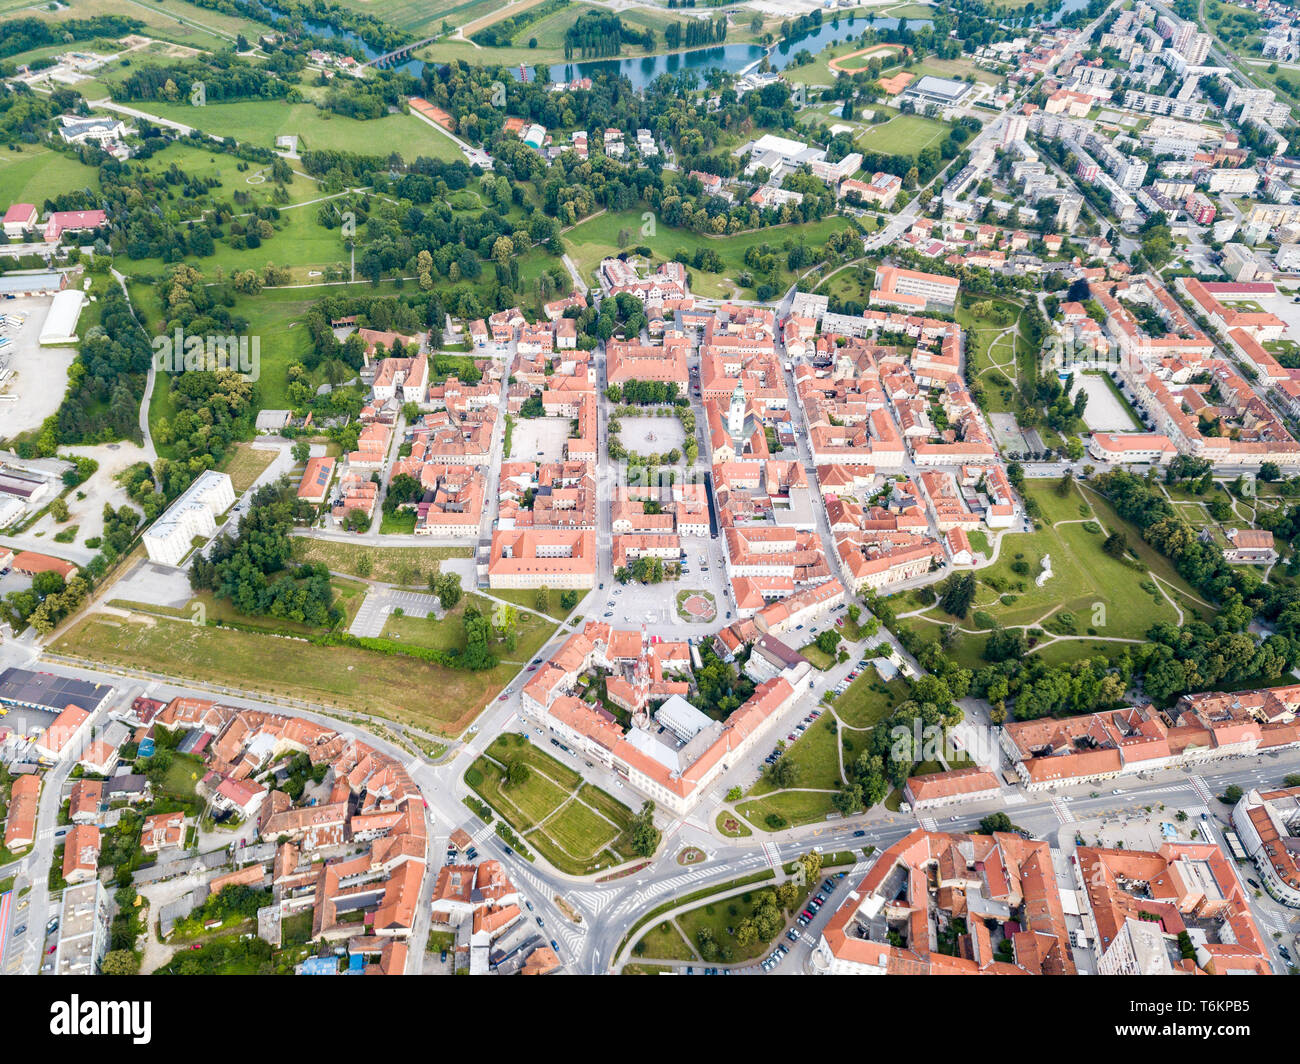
[(119, 962), (960, 593), (782, 773), (517, 772), (448, 590), (356, 521), (642, 833), (1232, 795), (542, 600), (995, 822), (301, 451), (810, 864), (827, 641)]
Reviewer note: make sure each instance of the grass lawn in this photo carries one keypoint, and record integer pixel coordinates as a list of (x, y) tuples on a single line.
[(34, 174), (527, 598), (400, 523), (1105, 596), (817, 657), (575, 826), (259, 122), (722, 917), (597, 238), (732, 826), (863, 705), (182, 776), (664, 942), (245, 465), (391, 685), (796, 807), (449, 633), (816, 754), (389, 565)]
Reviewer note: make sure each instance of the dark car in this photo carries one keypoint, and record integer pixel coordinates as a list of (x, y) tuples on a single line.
[(541, 922), (555, 946), (859, 834), (1253, 883), (21, 929)]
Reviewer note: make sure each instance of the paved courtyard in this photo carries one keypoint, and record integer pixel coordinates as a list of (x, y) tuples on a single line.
[(1105, 411), (539, 439), (651, 435), (155, 585)]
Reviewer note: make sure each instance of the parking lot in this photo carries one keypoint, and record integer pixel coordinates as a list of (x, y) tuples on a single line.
[(39, 375), (656, 604), (539, 439), (155, 585)]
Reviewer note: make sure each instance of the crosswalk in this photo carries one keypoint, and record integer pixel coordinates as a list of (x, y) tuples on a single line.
[(773, 856), (1062, 811), (485, 832), (1202, 789), (859, 870), (928, 823)]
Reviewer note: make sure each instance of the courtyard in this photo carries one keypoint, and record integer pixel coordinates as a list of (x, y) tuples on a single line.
[(651, 435), (539, 439)]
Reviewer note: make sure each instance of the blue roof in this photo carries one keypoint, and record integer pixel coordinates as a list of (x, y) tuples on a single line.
[(356, 962), (320, 966)]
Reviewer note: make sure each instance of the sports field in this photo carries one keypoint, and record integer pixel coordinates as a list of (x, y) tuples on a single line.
[(903, 135)]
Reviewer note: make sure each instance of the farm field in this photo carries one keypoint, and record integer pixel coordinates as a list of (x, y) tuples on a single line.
[(171, 20)]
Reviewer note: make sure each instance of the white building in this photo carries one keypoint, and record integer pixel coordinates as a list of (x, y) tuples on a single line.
[(194, 514)]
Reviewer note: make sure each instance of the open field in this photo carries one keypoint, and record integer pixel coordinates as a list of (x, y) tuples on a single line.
[(402, 688), (597, 238), (34, 174), (245, 465), (259, 122), (389, 565)]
